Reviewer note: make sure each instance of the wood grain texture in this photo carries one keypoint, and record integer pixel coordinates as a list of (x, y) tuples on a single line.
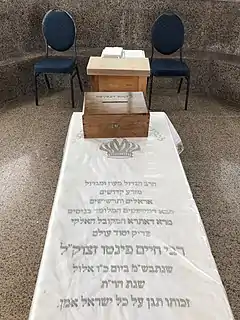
[(94, 80), (118, 83), (142, 84), (115, 115), (112, 66), (114, 103), (116, 126)]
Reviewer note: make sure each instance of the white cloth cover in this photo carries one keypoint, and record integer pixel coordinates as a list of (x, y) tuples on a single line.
[(118, 52), (133, 54), (112, 52), (125, 238)]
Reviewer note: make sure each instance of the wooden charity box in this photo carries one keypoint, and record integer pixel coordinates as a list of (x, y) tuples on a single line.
[(115, 115), (118, 75)]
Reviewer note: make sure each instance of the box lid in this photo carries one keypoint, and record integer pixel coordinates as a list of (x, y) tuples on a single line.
[(114, 103), (118, 67)]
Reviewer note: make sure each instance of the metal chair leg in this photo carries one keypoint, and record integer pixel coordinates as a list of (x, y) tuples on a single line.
[(180, 85), (150, 92), (72, 90), (79, 79), (187, 93), (36, 89), (47, 82)]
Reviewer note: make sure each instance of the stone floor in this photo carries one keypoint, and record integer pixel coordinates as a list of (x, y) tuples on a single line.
[(31, 144)]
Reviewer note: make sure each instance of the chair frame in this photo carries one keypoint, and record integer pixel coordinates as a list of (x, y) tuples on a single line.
[(72, 75), (181, 78)]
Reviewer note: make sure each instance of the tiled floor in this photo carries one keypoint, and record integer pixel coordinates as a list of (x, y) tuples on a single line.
[(31, 144)]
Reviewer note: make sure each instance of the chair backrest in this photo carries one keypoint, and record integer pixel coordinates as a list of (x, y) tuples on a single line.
[(168, 33), (59, 30)]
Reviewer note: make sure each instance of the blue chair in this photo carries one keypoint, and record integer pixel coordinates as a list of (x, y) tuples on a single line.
[(59, 31), (168, 38)]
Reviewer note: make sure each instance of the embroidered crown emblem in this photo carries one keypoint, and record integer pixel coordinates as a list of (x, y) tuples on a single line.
[(120, 149)]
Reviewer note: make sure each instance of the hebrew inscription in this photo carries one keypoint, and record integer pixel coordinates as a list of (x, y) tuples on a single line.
[(121, 252)]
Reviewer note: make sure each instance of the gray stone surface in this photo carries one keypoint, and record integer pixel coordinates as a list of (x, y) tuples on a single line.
[(225, 80), (16, 77), (212, 43), (21, 27), (195, 16), (223, 27), (210, 25), (32, 140)]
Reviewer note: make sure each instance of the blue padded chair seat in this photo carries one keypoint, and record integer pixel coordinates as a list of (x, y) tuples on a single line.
[(169, 68), (55, 65)]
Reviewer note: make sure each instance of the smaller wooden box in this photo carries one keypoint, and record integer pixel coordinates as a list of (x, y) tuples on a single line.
[(115, 115)]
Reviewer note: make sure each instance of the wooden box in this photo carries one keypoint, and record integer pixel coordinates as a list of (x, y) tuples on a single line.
[(115, 115), (118, 75)]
